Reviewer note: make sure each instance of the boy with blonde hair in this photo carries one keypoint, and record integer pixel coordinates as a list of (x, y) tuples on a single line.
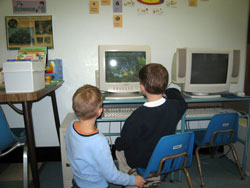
[(87, 148)]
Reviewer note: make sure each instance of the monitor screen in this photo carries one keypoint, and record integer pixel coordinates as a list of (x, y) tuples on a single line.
[(124, 66), (209, 68), (204, 72), (119, 66)]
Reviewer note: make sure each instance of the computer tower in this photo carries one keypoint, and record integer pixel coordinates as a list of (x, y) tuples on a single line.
[(66, 169), (242, 130)]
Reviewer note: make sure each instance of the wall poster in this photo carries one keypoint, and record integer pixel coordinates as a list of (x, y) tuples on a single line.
[(151, 2), (23, 31), (29, 6)]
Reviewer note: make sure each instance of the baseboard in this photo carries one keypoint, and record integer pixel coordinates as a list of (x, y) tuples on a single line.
[(43, 154), (54, 154)]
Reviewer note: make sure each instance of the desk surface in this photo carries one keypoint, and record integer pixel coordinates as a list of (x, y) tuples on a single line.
[(221, 99), (194, 102), (188, 100), (30, 96)]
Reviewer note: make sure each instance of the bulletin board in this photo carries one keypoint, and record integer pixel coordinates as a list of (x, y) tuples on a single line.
[(23, 31)]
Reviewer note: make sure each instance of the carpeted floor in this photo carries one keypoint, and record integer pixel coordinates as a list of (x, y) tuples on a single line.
[(218, 173), (13, 172)]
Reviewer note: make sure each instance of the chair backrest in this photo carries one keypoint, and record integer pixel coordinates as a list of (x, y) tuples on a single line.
[(6, 136), (169, 146), (226, 127)]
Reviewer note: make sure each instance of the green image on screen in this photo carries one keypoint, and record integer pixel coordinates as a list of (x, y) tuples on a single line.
[(124, 66)]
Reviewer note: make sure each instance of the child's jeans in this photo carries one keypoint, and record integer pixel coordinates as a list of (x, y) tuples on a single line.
[(75, 185)]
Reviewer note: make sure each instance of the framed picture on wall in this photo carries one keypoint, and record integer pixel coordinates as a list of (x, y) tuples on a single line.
[(25, 31)]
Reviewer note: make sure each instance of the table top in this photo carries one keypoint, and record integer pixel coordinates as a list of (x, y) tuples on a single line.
[(29, 96), (188, 100)]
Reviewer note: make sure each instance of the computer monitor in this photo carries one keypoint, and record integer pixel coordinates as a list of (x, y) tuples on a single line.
[(205, 72), (119, 66)]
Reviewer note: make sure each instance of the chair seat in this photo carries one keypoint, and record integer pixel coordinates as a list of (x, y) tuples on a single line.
[(10, 139), (222, 130), (173, 152), (141, 171), (19, 134)]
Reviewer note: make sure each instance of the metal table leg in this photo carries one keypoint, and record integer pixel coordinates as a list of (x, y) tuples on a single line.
[(55, 110), (27, 115)]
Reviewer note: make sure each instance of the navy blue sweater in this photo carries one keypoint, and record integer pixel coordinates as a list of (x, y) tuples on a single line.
[(146, 125)]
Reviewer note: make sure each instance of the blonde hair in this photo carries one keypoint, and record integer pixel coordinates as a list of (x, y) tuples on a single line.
[(87, 100)]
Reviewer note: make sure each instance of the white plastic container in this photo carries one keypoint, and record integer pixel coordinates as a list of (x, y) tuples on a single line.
[(23, 76)]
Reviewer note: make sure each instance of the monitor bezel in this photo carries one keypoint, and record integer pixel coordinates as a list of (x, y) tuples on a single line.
[(119, 87), (207, 89)]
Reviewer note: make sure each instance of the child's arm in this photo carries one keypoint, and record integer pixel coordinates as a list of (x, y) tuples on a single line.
[(107, 169), (139, 181), (173, 93)]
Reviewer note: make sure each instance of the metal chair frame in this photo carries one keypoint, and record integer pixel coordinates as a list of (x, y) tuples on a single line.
[(210, 145), (12, 147), (161, 166)]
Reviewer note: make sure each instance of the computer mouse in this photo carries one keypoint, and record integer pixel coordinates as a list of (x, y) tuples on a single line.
[(240, 93)]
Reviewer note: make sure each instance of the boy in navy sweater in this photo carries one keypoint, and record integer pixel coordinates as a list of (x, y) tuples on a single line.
[(158, 117)]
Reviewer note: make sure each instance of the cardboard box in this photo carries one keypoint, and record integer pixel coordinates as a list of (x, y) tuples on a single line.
[(23, 76)]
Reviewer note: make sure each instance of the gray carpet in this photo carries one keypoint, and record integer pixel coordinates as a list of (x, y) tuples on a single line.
[(218, 173)]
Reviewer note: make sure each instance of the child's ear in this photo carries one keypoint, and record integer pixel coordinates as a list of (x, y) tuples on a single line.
[(142, 88), (100, 111)]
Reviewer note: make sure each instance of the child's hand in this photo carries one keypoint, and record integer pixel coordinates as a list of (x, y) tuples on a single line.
[(139, 181)]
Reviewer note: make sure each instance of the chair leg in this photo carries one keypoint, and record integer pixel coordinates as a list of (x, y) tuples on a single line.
[(188, 178), (199, 166), (25, 167), (172, 177), (164, 177), (236, 160)]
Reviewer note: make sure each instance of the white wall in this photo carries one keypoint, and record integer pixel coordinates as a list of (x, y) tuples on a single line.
[(77, 34)]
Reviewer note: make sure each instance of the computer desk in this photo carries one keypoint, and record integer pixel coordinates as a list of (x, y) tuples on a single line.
[(27, 99), (235, 103), (240, 104)]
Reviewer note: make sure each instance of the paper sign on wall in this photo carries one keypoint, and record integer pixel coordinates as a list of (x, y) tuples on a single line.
[(117, 20), (192, 3), (93, 7), (105, 2), (117, 6), (29, 6), (151, 2), (129, 3), (171, 3)]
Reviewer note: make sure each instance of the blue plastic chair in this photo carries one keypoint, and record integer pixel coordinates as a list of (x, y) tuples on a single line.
[(172, 153), (222, 130), (10, 139)]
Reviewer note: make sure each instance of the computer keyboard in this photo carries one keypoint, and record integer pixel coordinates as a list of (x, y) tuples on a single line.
[(124, 96), (207, 112), (118, 111), (123, 111)]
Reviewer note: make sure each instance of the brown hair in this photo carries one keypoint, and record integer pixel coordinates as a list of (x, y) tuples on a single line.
[(154, 77), (86, 102)]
